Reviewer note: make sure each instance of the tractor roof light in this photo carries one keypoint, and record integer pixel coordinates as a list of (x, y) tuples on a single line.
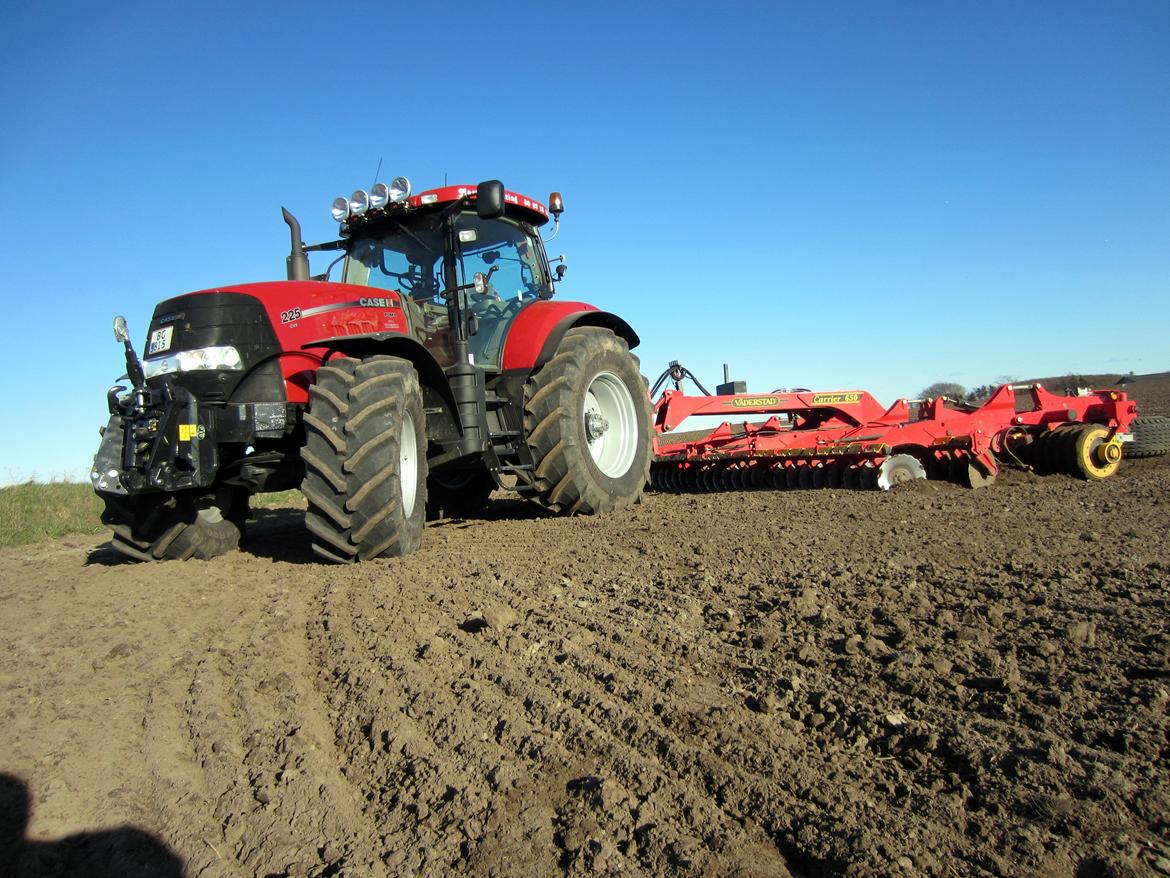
[(340, 209), (556, 204), (379, 196), (399, 190), (359, 202)]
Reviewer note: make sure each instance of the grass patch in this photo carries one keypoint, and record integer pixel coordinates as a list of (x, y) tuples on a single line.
[(35, 511), (278, 498)]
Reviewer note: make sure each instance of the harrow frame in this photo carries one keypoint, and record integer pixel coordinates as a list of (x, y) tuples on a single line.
[(847, 439)]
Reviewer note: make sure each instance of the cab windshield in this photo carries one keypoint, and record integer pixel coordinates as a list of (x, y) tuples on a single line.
[(407, 259)]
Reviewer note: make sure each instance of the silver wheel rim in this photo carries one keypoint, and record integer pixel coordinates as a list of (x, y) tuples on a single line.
[(610, 418), (408, 464)]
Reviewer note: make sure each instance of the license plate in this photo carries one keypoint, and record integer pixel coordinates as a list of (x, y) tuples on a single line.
[(160, 340)]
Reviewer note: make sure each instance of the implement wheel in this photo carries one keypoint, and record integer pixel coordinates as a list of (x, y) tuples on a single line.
[(899, 469), (587, 424), (174, 527), (1052, 452), (1097, 455), (365, 463)]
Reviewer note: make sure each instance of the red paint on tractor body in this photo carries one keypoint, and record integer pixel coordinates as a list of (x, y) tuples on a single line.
[(303, 311), (531, 329), (307, 311), (537, 213)]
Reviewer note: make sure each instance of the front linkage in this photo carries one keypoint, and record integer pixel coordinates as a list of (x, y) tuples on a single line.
[(159, 468)]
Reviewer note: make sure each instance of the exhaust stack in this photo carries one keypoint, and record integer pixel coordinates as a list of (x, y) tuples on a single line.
[(297, 263)]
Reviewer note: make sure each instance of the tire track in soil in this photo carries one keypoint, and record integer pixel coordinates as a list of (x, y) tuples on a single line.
[(735, 701), (258, 730), (553, 767)]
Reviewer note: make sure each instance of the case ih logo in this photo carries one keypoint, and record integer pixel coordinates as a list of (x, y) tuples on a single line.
[(835, 398), (747, 402)]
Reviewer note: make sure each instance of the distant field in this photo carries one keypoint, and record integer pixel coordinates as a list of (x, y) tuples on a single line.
[(38, 511)]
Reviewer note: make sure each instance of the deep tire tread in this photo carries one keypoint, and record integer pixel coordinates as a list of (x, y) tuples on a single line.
[(352, 484)]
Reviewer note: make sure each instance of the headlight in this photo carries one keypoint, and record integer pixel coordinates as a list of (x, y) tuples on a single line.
[(340, 209), (379, 196), (399, 189), (359, 202), (223, 357)]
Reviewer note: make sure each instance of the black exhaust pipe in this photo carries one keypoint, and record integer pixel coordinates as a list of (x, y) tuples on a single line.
[(297, 263)]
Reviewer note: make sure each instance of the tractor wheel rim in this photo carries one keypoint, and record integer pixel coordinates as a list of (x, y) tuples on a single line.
[(613, 446), (408, 464)]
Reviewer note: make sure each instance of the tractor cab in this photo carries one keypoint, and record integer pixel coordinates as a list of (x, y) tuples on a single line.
[(464, 268)]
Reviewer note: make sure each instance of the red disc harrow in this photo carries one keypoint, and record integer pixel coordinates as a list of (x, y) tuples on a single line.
[(845, 438)]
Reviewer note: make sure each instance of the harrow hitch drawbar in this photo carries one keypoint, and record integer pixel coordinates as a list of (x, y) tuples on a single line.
[(847, 439)]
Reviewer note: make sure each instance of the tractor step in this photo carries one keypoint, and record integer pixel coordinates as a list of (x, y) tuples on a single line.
[(515, 468)]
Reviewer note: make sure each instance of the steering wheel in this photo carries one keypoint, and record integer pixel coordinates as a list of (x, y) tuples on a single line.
[(502, 307)]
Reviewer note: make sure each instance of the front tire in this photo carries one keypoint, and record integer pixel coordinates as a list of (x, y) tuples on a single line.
[(365, 460), (172, 527), (588, 426)]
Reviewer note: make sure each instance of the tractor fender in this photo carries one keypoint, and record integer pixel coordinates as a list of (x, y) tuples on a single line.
[(538, 329), (436, 389)]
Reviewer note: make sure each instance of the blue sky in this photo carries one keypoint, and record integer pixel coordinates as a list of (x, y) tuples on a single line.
[(828, 195)]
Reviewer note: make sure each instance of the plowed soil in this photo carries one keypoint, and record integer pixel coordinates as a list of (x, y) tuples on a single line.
[(930, 681)]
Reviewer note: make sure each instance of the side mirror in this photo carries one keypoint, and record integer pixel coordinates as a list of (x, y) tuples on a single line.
[(121, 331), (561, 269), (489, 199)]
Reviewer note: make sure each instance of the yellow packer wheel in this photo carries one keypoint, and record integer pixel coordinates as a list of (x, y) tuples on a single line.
[(1097, 454)]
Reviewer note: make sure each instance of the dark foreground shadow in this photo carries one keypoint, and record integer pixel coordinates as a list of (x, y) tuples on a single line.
[(506, 508), (124, 851), (279, 535), (105, 556)]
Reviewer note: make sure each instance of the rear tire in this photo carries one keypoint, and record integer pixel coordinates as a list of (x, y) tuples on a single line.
[(172, 527), (458, 493), (588, 426), (365, 463)]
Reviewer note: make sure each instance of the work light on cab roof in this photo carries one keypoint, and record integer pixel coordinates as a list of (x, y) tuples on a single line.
[(365, 205), (379, 197)]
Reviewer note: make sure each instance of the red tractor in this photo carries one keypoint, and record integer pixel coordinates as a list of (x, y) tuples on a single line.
[(438, 369)]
